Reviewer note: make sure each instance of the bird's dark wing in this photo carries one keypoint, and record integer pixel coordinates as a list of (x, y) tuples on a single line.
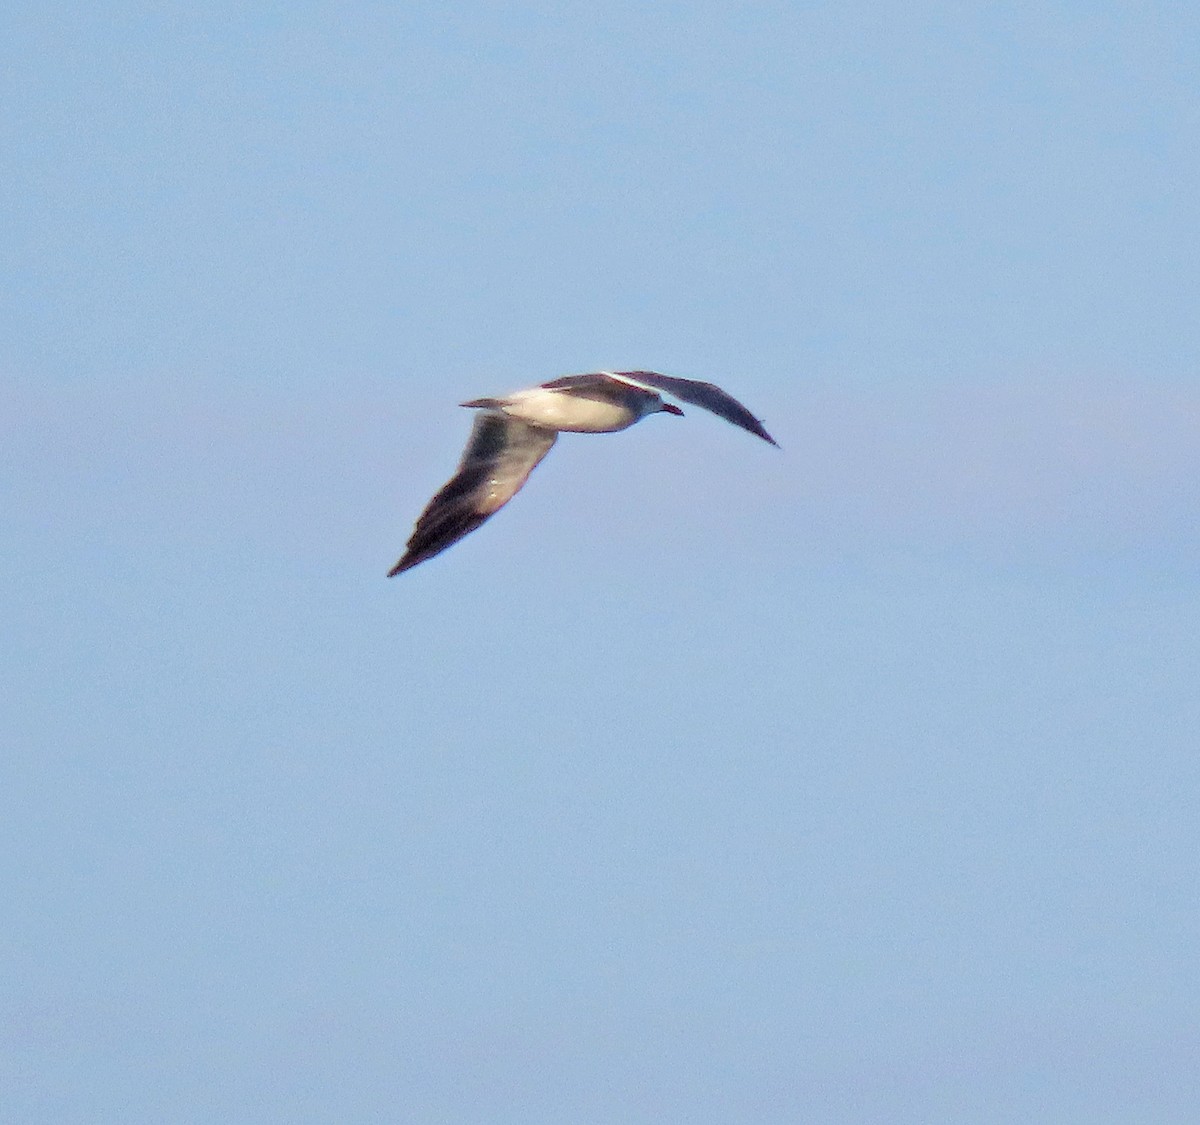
[(500, 455), (701, 394), (599, 385), (577, 382)]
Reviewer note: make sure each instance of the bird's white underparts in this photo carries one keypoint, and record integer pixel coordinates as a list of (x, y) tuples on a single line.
[(513, 433)]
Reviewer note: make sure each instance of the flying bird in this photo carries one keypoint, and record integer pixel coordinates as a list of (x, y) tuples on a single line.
[(512, 434)]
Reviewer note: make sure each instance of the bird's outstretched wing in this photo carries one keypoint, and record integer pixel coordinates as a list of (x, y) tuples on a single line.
[(701, 394), (500, 455), (601, 385)]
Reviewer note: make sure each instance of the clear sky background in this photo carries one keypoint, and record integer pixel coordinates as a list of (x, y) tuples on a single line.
[(856, 781)]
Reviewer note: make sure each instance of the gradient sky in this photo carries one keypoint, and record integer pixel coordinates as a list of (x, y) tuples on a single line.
[(856, 781)]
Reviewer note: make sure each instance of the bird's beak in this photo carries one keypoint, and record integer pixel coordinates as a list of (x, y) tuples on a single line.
[(670, 409)]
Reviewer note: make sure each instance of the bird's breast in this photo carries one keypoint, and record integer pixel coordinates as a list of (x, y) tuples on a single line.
[(556, 410)]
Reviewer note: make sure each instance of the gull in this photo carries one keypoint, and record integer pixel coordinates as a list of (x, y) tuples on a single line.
[(512, 434)]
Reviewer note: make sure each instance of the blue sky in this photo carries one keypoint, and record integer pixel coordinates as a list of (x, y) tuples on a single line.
[(708, 782)]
